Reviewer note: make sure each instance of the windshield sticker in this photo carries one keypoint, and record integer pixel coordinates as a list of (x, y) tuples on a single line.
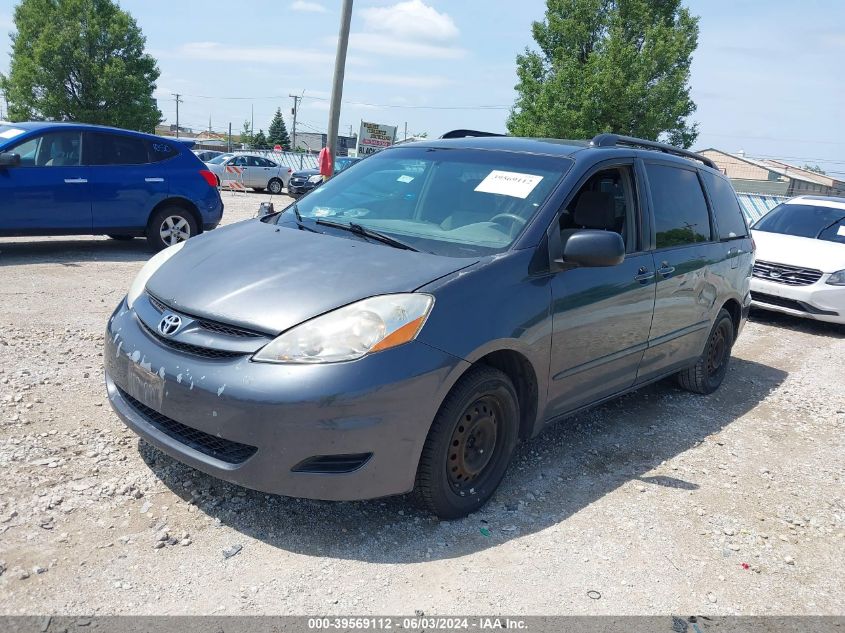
[(405, 178), (11, 133), (840, 230), (509, 183)]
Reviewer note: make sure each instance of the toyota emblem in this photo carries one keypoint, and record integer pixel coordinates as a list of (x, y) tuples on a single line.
[(170, 324)]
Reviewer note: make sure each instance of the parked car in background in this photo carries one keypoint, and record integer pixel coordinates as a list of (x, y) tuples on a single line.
[(800, 267), (257, 172), (206, 155), (405, 324), (69, 178), (304, 180)]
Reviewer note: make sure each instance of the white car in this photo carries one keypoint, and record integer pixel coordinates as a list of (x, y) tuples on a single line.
[(800, 264), (256, 172)]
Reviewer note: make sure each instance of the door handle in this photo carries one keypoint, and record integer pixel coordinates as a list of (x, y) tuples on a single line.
[(665, 269), (153, 179), (643, 275), (75, 181)]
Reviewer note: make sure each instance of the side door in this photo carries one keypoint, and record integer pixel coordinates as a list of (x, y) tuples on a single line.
[(48, 192), (125, 184), (267, 170), (601, 316), (683, 255)]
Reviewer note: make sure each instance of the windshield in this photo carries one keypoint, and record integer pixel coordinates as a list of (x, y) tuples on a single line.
[(805, 220), (455, 202), (219, 159), (343, 163)]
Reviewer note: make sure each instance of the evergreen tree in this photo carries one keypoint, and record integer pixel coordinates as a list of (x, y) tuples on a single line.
[(277, 134), (259, 141)]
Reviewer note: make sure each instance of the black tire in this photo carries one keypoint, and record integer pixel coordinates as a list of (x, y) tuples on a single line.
[(710, 369), (122, 238), (481, 410), (180, 220), (275, 186)]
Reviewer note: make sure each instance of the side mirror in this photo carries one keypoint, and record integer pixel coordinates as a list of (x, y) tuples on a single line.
[(9, 159), (593, 248)]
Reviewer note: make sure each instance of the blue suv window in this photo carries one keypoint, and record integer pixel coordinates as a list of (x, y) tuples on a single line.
[(115, 149), (54, 149)]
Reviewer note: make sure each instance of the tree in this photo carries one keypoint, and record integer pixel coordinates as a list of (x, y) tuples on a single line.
[(259, 141), (814, 168), (80, 60), (277, 134), (246, 134), (608, 66)]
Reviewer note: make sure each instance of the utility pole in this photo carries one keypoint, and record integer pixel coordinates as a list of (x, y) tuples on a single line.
[(178, 101), (296, 99), (252, 122), (339, 70), (406, 130), (230, 136)]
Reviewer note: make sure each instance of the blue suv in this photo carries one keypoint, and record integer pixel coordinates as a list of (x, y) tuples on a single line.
[(69, 179)]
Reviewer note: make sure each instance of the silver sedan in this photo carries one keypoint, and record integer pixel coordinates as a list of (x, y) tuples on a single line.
[(253, 171)]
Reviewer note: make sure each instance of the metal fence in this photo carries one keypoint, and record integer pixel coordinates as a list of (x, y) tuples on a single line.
[(294, 160)]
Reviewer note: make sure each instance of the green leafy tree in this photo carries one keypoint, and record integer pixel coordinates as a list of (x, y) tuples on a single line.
[(80, 60), (618, 66), (814, 168), (259, 141), (277, 134), (246, 137)]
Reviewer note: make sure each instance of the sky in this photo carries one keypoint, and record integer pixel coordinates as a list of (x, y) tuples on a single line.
[(766, 77)]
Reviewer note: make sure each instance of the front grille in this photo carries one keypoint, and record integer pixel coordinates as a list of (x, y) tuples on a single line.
[(207, 444), (195, 350), (332, 464), (783, 274), (211, 326), (792, 304)]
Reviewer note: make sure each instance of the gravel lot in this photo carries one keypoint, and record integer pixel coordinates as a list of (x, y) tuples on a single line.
[(660, 502)]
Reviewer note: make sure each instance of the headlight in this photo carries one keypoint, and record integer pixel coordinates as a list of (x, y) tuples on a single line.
[(351, 332), (837, 278), (315, 179), (153, 264)]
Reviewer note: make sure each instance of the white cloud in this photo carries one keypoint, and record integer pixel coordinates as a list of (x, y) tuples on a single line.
[(405, 81), (308, 7), (411, 19), (382, 44), (411, 29), (216, 51)]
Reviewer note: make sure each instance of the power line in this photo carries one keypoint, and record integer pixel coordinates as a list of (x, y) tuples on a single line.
[(360, 103)]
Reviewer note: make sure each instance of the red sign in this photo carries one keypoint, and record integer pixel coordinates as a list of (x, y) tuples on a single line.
[(277, 148)]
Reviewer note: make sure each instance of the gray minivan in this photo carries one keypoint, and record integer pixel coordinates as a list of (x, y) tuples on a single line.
[(402, 326)]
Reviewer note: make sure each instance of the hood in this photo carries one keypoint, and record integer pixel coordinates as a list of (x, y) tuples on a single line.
[(305, 173), (270, 278), (806, 252)]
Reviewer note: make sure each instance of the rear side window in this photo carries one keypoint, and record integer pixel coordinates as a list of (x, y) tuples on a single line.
[(680, 210), (115, 149), (161, 150), (729, 219)]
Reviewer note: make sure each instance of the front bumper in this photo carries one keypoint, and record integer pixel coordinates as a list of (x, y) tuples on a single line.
[(381, 406), (819, 301)]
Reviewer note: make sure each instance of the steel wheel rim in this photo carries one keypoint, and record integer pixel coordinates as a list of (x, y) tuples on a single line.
[(275, 186), (174, 229), (716, 352), (473, 444)]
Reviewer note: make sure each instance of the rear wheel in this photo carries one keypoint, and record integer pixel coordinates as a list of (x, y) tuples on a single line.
[(470, 444), (170, 226), (275, 186), (707, 374)]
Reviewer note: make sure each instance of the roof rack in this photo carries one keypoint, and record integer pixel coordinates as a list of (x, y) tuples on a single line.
[(615, 140), (468, 133)]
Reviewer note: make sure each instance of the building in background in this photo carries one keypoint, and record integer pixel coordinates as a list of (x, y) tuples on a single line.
[(313, 142), (772, 177)]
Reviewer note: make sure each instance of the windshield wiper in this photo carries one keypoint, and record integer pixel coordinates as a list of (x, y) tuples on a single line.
[(358, 229), (299, 223)]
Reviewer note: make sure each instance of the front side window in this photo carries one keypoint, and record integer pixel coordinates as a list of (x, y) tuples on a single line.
[(115, 149), (680, 209), (54, 149), (805, 220), (454, 202)]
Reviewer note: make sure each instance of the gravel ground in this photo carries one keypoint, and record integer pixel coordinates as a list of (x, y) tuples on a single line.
[(658, 502)]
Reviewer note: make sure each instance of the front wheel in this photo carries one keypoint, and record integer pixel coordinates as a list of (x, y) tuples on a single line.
[(707, 374), (470, 444), (170, 226), (275, 186)]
